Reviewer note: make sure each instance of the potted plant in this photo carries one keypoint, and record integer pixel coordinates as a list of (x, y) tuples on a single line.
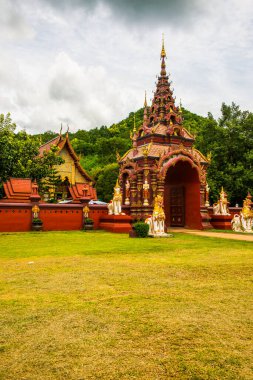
[(88, 224), (37, 224)]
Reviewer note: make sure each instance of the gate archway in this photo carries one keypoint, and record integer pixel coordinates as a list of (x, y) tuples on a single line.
[(182, 196)]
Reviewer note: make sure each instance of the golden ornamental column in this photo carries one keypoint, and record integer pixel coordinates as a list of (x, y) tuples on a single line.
[(73, 173), (160, 186)]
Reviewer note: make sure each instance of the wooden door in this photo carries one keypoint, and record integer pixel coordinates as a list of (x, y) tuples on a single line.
[(177, 209)]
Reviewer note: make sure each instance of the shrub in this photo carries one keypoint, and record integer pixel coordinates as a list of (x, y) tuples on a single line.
[(141, 229), (37, 221), (88, 221)]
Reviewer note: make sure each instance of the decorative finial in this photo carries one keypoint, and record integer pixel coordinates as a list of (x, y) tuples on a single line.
[(117, 186), (134, 130), (180, 106), (146, 149), (163, 52), (209, 156), (118, 158), (145, 100)]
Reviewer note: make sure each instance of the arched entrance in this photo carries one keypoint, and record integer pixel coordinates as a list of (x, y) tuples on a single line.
[(182, 196)]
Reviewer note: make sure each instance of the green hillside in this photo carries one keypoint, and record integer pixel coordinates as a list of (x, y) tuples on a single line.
[(229, 140)]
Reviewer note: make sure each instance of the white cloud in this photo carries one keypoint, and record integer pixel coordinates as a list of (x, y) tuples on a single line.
[(14, 25), (86, 67)]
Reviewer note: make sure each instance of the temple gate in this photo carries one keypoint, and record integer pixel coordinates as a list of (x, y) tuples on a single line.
[(164, 162)]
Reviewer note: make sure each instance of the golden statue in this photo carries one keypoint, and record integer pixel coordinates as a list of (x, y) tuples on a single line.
[(35, 211), (145, 187), (86, 211), (221, 207), (114, 207), (243, 222), (246, 209), (157, 219)]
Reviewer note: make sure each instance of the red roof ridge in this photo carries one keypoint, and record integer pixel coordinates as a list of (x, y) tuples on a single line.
[(50, 141)]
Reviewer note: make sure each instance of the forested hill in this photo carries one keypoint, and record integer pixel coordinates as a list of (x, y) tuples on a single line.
[(229, 139)]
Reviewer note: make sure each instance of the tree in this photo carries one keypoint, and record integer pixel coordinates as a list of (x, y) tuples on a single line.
[(230, 140), (106, 180), (19, 154)]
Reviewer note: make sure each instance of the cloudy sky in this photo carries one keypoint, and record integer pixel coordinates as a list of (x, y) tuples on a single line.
[(88, 62)]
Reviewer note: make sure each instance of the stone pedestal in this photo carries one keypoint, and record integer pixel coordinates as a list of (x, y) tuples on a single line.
[(205, 219), (116, 223), (221, 222)]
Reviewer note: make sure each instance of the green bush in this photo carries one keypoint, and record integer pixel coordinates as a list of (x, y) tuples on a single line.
[(88, 221), (37, 221), (141, 229)]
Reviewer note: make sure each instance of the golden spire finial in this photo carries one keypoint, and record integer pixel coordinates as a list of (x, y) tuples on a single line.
[(117, 186), (134, 130), (180, 106), (163, 52), (145, 100), (118, 157)]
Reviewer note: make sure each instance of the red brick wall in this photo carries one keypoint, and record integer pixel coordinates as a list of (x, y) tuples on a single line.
[(58, 217), (96, 211), (15, 217)]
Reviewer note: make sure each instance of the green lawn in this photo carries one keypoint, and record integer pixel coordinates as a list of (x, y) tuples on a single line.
[(95, 305)]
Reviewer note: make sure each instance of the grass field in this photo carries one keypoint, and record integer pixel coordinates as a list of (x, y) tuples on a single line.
[(95, 305)]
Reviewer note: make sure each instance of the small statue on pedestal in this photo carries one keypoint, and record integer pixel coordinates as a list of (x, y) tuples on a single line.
[(145, 193), (114, 207), (156, 220), (244, 221), (35, 211), (86, 211), (127, 188), (221, 208)]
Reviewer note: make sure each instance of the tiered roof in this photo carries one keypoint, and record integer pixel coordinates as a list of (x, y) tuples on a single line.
[(18, 190), (81, 191), (162, 126), (64, 142), (163, 109)]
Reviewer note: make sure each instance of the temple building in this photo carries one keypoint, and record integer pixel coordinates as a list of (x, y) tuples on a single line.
[(163, 161), (75, 182)]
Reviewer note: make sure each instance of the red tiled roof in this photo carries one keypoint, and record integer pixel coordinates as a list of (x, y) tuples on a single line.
[(154, 151), (158, 150), (17, 189), (47, 146), (76, 191)]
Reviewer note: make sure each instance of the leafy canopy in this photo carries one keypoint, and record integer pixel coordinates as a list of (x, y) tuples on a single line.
[(19, 154)]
